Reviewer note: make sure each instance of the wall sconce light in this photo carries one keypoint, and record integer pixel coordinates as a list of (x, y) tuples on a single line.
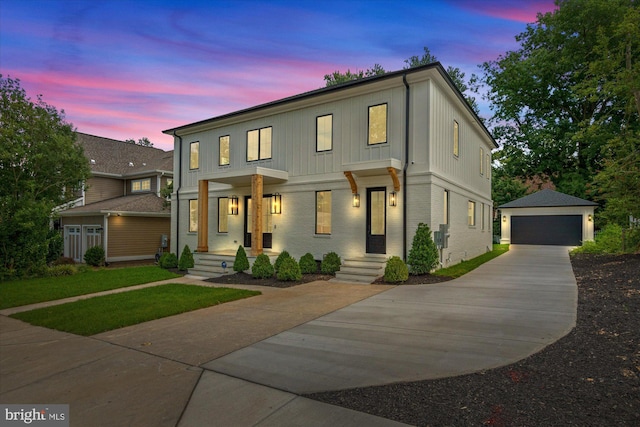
[(233, 205), (590, 218), (393, 198), (356, 200), (504, 218), (276, 204)]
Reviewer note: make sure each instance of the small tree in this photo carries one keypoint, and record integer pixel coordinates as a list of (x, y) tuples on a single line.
[(283, 255), (289, 270), (331, 263), (241, 262), (262, 268), (423, 256), (186, 259), (396, 270), (168, 260), (308, 264)]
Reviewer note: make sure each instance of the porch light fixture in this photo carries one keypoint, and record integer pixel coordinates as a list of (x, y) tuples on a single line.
[(504, 218), (393, 198), (590, 218), (276, 203), (356, 200), (233, 205)]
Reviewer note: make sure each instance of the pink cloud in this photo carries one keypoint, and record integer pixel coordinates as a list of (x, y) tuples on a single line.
[(525, 12)]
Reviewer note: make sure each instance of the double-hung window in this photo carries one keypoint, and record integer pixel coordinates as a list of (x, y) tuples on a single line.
[(323, 212), (194, 155), (377, 124), (324, 133), (224, 158), (259, 144)]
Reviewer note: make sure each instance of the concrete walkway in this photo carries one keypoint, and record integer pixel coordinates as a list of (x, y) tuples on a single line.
[(246, 362)]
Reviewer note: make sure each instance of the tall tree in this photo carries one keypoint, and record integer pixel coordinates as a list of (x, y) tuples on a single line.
[(551, 114), (40, 167), (144, 141)]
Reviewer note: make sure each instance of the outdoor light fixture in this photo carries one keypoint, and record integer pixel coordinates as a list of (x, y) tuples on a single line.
[(356, 200), (504, 218), (233, 205), (276, 204), (393, 198), (590, 218)]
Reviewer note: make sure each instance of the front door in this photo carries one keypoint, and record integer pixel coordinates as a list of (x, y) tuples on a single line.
[(73, 242), (267, 224), (376, 220)]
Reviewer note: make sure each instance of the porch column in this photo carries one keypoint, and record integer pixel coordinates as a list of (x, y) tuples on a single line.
[(256, 215), (203, 216)]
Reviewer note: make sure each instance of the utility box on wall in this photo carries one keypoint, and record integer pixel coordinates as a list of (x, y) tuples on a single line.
[(164, 241)]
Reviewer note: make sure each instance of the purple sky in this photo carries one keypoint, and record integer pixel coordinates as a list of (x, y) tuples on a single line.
[(132, 68)]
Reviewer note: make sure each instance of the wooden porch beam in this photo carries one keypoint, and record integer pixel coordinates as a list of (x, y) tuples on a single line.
[(203, 216), (256, 214)]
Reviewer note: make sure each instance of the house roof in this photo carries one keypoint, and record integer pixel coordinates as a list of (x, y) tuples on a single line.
[(147, 204), (110, 156), (367, 80), (547, 198)]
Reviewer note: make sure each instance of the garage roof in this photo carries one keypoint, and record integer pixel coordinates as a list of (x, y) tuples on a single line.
[(547, 198)]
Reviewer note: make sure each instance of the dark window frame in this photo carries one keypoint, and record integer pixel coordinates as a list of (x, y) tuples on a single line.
[(386, 124), (259, 144), (220, 150), (316, 213), (331, 141), (191, 155)]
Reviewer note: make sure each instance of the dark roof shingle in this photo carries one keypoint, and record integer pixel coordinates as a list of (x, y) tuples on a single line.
[(547, 198), (146, 203)]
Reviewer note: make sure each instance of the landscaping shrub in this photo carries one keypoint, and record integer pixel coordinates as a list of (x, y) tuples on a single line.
[(186, 259), (289, 270), (396, 270), (308, 264), (262, 268), (423, 256), (61, 270), (608, 241), (283, 255), (63, 260), (94, 256), (241, 262), (55, 246), (331, 263), (168, 260)]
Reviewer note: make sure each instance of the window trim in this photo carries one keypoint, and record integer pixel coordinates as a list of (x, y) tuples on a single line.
[(191, 154), (471, 219), (386, 124), (224, 211), (456, 139), (316, 213), (259, 130), (220, 150), (195, 229), (141, 181), (317, 128)]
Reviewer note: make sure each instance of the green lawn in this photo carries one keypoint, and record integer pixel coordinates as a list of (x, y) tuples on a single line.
[(22, 292), (104, 313), (466, 266)]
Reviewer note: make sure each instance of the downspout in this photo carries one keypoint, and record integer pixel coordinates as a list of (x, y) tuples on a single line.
[(178, 192), (405, 199)]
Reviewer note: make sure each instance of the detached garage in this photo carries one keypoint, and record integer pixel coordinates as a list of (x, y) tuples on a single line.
[(547, 218)]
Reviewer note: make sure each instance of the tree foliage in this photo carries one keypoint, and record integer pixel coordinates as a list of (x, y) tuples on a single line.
[(41, 167), (144, 141), (423, 256)]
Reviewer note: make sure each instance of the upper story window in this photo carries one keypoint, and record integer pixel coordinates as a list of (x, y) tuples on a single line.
[(456, 139), (481, 161), (194, 155), (259, 144), (141, 185), (324, 133), (488, 165), (224, 150), (377, 124)]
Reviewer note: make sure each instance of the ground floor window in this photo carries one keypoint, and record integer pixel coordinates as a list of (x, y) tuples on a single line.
[(472, 213), (223, 212), (193, 215), (323, 212)]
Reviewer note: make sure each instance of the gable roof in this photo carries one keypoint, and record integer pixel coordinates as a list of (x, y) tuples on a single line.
[(146, 204), (110, 156), (547, 198), (353, 83)]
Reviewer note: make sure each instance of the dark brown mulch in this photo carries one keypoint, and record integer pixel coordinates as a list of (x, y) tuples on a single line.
[(422, 279), (591, 377), (247, 279)]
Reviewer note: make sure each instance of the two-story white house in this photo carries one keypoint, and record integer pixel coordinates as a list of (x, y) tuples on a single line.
[(352, 168)]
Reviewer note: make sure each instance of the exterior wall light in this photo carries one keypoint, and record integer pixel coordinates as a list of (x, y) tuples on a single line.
[(356, 200), (590, 218), (504, 218), (233, 205), (393, 198), (276, 204)]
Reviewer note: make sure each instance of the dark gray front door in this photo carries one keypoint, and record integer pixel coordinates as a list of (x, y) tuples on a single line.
[(563, 230), (376, 220)]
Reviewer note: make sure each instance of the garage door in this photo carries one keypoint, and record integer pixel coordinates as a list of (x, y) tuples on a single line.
[(565, 230)]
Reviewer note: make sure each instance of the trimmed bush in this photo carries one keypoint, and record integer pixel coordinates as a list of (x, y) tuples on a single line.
[(331, 263), (55, 243), (94, 256), (262, 268), (168, 260), (423, 256), (308, 264), (186, 259), (289, 270), (61, 270), (396, 270), (283, 255), (241, 262)]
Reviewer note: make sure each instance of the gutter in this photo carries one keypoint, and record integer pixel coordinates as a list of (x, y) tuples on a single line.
[(405, 199), (177, 190)]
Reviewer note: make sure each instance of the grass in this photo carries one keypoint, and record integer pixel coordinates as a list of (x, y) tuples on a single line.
[(22, 292), (99, 314), (466, 266)]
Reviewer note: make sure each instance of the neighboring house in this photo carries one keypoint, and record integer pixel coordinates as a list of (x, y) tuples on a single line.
[(547, 217), (120, 207), (352, 169)]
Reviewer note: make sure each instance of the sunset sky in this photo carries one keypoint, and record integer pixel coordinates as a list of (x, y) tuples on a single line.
[(132, 68)]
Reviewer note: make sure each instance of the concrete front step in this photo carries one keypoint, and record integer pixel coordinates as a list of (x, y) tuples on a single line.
[(364, 269), (210, 265)]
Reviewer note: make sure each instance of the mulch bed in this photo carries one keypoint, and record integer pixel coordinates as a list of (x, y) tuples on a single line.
[(247, 279), (591, 377)]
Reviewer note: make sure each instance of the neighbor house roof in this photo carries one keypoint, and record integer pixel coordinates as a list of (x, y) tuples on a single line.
[(547, 198), (147, 203), (110, 156)]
